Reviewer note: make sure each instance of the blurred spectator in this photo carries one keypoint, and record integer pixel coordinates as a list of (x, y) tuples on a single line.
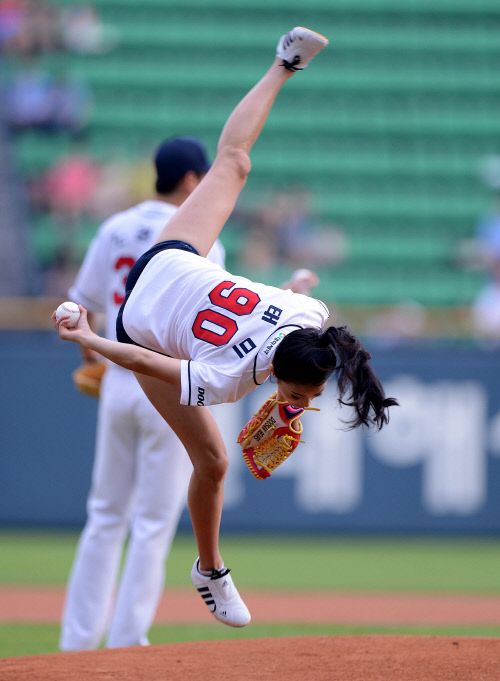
[(488, 234), (481, 251), (32, 27), (77, 186), (65, 192), (399, 324), (285, 232), (67, 189), (75, 193), (112, 193), (36, 99), (29, 27), (84, 33), (29, 98), (141, 179), (71, 105), (11, 18), (485, 310)]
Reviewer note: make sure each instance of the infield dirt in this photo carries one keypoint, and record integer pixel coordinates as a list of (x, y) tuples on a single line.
[(182, 606), (338, 658)]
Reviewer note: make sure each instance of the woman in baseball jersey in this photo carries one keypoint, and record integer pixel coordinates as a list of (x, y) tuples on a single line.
[(216, 336)]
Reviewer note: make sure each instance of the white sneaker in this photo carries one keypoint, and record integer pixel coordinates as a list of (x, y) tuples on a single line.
[(221, 596), (298, 47)]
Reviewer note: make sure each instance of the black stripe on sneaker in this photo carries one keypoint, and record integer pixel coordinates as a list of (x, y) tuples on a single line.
[(217, 574), (201, 589)]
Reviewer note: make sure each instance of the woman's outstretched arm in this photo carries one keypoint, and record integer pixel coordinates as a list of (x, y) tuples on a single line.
[(128, 356)]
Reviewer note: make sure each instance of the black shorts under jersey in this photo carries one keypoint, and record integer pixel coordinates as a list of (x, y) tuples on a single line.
[(136, 271)]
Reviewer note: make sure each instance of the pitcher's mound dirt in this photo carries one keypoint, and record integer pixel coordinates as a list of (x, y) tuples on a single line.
[(339, 658)]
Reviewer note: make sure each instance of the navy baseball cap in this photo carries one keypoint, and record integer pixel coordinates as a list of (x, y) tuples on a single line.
[(175, 157)]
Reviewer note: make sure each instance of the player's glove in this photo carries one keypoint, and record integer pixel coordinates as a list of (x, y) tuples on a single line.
[(270, 436), (87, 378)]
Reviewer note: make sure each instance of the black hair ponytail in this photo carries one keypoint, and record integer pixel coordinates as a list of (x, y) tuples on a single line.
[(358, 385), (309, 356)]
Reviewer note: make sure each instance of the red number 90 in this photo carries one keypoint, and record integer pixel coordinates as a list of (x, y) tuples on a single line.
[(216, 328)]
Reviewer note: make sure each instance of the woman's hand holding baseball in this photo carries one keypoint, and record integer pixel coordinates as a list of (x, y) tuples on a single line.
[(78, 333)]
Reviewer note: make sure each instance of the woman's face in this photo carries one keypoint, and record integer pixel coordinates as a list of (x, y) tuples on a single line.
[(298, 394)]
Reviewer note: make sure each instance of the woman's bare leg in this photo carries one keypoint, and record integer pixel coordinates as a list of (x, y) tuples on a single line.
[(199, 433), (197, 430), (204, 213)]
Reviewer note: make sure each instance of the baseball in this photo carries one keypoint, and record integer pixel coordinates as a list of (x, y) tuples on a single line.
[(302, 275), (69, 310), (303, 281)]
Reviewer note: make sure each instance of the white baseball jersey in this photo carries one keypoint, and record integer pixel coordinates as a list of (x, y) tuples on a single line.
[(100, 283), (224, 327)]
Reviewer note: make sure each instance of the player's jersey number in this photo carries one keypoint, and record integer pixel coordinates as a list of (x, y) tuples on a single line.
[(122, 266), (217, 328)]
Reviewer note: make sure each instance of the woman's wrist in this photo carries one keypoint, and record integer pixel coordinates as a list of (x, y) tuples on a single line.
[(88, 343)]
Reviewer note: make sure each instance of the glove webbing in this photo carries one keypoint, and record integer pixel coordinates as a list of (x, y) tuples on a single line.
[(284, 445)]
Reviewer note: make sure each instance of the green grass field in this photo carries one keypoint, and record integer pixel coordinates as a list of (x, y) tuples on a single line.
[(275, 563)]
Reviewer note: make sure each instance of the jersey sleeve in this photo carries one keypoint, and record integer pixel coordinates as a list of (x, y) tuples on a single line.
[(203, 385), (89, 288)]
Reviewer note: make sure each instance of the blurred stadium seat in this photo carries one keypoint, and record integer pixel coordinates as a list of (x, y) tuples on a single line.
[(386, 130)]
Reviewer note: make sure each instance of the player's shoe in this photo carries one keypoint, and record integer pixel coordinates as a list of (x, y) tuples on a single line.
[(299, 46), (221, 596)]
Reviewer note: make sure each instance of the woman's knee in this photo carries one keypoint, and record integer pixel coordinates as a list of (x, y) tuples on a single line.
[(236, 159), (211, 463)]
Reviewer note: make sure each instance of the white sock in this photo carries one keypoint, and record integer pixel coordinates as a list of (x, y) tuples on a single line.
[(207, 573)]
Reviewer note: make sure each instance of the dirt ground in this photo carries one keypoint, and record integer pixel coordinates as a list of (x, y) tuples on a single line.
[(335, 658), (28, 604), (320, 658)]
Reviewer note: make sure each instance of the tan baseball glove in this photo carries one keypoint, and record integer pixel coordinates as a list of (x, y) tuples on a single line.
[(87, 378), (270, 436)]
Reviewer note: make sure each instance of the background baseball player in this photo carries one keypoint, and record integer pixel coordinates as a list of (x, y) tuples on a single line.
[(141, 470)]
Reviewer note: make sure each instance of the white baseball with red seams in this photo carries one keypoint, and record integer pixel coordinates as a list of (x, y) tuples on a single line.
[(69, 310)]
